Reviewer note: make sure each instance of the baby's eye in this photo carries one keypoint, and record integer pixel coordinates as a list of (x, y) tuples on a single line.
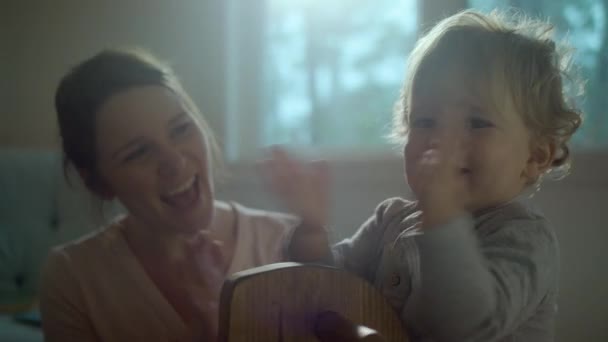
[(480, 123), (423, 123)]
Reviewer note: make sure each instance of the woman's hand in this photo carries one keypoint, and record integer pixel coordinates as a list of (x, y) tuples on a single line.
[(304, 187)]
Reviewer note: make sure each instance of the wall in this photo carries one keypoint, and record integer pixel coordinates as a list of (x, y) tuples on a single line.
[(5, 69), (49, 37)]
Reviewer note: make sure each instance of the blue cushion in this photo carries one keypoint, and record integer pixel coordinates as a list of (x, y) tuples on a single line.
[(17, 290), (28, 180)]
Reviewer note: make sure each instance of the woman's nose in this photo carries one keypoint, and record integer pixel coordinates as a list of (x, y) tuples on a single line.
[(171, 162)]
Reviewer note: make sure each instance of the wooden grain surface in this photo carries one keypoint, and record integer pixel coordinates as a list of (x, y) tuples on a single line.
[(280, 302)]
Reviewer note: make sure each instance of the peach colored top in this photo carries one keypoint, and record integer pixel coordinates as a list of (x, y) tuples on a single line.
[(95, 289)]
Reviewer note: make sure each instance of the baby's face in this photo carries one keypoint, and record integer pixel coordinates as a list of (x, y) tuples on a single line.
[(490, 151)]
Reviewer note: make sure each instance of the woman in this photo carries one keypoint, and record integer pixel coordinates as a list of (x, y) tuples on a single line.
[(134, 135)]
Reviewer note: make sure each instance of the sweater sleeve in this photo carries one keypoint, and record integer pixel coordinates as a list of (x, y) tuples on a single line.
[(474, 289), (61, 304), (359, 253)]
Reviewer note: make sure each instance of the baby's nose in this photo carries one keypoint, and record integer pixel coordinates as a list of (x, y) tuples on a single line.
[(448, 137), (451, 143)]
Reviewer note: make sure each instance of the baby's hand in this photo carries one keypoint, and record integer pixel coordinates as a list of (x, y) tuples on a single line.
[(442, 185), (302, 186)]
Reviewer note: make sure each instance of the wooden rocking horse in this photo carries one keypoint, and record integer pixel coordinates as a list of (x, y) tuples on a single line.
[(304, 302)]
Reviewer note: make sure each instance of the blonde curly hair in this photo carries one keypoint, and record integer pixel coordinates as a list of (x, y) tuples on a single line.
[(509, 61)]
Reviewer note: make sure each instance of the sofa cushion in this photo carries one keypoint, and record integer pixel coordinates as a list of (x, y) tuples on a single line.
[(28, 179), (17, 289), (38, 210)]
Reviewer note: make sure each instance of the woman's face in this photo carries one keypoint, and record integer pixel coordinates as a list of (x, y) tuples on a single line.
[(153, 156)]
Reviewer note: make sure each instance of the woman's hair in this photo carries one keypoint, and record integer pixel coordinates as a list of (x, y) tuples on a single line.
[(510, 63), (84, 90)]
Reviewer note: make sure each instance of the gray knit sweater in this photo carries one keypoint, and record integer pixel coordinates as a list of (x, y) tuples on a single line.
[(492, 277)]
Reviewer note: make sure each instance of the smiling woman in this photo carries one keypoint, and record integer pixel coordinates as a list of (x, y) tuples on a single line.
[(134, 135), (153, 157)]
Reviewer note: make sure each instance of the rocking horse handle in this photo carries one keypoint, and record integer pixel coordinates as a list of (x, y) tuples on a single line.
[(331, 326)]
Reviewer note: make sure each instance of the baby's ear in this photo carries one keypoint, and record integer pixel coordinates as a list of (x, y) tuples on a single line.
[(542, 154)]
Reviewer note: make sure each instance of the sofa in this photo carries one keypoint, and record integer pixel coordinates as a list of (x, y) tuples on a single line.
[(39, 208)]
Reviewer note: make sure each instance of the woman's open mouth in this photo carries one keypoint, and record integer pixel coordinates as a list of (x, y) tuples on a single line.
[(183, 196)]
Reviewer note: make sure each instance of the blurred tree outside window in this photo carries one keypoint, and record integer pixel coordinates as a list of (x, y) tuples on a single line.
[(333, 70)]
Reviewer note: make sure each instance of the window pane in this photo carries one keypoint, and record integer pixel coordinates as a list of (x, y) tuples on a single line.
[(584, 24), (334, 69)]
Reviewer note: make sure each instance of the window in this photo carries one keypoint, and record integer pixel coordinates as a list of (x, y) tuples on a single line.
[(330, 74), (583, 24), (324, 75), (334, 70)]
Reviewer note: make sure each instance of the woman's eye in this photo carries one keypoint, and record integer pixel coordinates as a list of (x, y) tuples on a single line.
[(136, 153)]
